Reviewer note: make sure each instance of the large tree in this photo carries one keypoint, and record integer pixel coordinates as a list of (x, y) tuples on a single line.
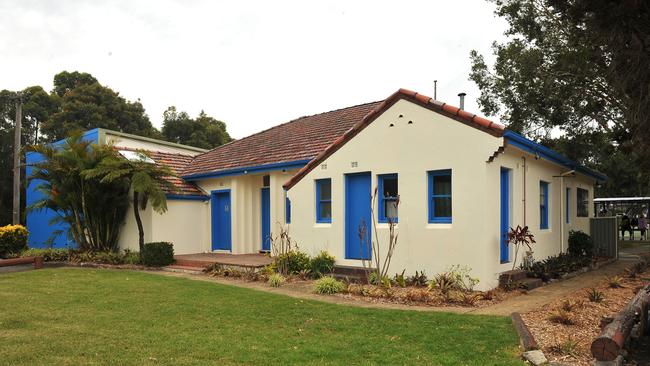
[(579, 67), (203, 131), (88, 106)]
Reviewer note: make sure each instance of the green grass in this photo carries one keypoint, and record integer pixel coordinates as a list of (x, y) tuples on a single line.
[(78, 316)]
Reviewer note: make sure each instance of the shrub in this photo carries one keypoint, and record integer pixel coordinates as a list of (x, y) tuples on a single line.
[(400, 279), (445, 282), (636, 269), (562, 317), (490, 295), (131, 257), (556, 266), (292, 262), (276, 280), (157, 254), (568, 347), (594, 295), (615, 281), (13, 240), (580, 244), (569, 305), (49, 255), (419, 279), (468, 298), (322, 264), (328, 285)]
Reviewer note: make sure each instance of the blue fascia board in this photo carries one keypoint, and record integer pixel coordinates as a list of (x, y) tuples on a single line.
[(247, 170), (193, 197), (544, 152)]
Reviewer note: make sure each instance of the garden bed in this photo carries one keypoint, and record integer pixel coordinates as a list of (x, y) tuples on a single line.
[(565, 329)]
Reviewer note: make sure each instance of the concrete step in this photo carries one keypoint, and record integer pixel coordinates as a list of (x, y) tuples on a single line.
[(183, 269), (191, 263), (350, 273), (531, 283), (515, 275)]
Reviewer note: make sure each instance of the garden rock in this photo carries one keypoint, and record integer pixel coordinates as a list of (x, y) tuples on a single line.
[(535, 357)]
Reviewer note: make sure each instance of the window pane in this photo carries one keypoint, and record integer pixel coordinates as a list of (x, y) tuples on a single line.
[(442, 184), (442, 207), (325, 190), (325, 210), (390, 209), (390, 187)]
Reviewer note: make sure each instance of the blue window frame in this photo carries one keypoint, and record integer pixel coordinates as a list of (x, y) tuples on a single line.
[(324, 200), (440, 196), (567, 206), (388, 197), (543, 205), (287, 210)]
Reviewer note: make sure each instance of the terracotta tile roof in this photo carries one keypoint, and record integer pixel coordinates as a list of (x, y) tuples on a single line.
[(445, 109), (301, 139), (177, 162)]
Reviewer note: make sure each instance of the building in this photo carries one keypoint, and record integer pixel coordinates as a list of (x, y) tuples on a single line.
[(461, 182)]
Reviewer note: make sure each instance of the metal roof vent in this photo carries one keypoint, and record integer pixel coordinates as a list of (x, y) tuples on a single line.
[(462, 100)]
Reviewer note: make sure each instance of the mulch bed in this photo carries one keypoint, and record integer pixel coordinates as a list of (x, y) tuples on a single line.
[(570, 344)]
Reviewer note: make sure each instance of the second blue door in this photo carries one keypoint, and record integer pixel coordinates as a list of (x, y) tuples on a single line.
[(505, 215), (266, 219), (357, 216), (221, 238)]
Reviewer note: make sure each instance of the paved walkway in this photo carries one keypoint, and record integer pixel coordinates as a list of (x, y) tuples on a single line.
[(549, 293)]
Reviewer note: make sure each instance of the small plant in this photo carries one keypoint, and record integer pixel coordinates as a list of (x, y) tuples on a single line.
[(568, 347), (468, 298), (400, 279), (636, 269), (328, 285), (276, 280), (444, 282), (594, 295), (157, 254), (615, 281), (383, 282), (215, 269), (292, 262), (131, 257), (356, 289), (490, 295), (570, 305), (562, 317), (419, 279), (519, 237), (322, 264)]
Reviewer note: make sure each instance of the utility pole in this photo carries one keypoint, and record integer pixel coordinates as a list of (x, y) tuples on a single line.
[(17, 130)]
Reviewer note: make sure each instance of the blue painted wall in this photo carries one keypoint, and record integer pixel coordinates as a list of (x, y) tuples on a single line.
[(38, 222)]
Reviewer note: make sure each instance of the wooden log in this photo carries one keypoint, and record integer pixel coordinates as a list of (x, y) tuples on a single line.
[(525, 336), (614, 335), (16, 261)]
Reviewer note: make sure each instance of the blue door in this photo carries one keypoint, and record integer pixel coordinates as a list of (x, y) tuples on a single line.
[(266, 219), (505, 214), (357, 216), (221, 238)]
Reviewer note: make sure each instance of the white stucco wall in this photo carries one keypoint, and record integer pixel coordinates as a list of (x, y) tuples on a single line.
[(182, 225), (245, 203), (433, 142), (129, 232)]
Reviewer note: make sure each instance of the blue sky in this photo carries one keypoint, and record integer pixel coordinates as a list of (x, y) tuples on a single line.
[(252, 64)]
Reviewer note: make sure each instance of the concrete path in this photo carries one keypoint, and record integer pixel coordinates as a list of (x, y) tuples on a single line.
[(549, 293)]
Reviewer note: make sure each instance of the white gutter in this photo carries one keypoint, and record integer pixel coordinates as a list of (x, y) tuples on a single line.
[(562, 210)]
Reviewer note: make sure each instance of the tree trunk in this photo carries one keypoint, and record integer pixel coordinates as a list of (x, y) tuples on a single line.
[(613, 337), (136, 212)]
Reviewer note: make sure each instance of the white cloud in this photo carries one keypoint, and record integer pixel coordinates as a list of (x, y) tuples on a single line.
[(252, 64)]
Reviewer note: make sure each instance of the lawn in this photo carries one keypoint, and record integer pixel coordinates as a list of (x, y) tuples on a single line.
[(78, 316)]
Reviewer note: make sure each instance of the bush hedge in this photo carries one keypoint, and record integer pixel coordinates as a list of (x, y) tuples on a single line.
[(328, 286), (294, 262), (158, 254), (558, 265), (13, 240), (322, 264), (580, 244), (76, 256)]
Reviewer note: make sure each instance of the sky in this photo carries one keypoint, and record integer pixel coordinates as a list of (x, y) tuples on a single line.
[(251, 64)]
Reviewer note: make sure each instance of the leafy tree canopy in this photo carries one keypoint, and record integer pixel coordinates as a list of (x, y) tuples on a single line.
[(203, 131), (581, 67)]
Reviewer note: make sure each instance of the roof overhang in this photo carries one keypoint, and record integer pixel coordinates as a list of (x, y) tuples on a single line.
[(296, 164), (543, 152)]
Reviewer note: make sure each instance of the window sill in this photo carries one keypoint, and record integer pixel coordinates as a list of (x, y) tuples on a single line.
[(434, 225), (385, 225), (322, 225)]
